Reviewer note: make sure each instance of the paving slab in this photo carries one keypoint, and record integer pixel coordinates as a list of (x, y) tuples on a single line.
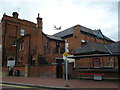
[(60, 83)]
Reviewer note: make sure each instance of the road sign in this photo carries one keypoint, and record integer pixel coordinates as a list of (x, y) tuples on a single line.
[(65, 54)]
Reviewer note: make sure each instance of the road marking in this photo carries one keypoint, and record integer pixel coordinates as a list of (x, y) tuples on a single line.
[(15, 86)]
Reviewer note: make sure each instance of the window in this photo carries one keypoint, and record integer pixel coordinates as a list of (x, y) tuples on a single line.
[(57, 44), (14, 44), (57, 47), (22, 32), (33, 61), (96, 62), (21, 45)]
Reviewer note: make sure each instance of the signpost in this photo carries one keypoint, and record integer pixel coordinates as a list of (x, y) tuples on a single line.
[(66, 63)]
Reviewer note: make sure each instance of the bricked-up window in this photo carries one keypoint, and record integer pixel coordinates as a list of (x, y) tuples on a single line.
[(22, 32), (21, 45), (96, 62)]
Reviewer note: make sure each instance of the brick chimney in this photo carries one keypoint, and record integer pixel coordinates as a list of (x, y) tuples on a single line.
[(39, 22), (15, 14)]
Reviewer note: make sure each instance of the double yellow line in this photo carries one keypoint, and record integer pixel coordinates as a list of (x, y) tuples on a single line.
[(14, 86)]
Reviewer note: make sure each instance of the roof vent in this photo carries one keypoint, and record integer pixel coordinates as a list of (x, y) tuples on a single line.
[(83, 41)]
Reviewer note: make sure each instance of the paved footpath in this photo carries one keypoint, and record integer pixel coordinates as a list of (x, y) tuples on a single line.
[(60, 83)]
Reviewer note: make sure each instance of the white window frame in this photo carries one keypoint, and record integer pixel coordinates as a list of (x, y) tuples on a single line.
[(22, 32)]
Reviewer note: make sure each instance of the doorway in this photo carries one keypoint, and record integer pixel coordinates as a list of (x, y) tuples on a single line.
[(59, 68), (10, 65)]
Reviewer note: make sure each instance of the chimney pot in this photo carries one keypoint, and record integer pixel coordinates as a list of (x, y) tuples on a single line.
[(15, 14)]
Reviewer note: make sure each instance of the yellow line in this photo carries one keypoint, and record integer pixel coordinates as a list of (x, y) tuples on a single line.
[(15, 86)]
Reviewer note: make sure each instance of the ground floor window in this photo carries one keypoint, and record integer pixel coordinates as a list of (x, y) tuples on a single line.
[(96, 62)]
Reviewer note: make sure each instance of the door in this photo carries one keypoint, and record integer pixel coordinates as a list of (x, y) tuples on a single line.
[(59, 68), (10, 65)]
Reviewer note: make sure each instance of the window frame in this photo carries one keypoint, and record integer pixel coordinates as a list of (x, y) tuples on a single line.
[(22, 32), (98, 63)]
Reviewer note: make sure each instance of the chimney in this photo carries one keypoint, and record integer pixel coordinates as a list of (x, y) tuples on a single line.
[(15, 14), (39, 22)]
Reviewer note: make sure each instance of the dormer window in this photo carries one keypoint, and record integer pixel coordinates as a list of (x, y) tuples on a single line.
[(22, 32)]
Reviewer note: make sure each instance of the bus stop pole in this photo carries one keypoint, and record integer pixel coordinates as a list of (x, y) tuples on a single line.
[(66, 72)]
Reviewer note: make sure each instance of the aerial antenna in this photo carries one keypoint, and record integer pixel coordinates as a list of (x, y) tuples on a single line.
[(57, 28)]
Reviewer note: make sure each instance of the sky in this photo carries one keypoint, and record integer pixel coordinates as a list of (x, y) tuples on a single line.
[(93, 14)]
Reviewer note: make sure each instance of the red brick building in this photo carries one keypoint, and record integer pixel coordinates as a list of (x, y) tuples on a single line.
[(34, 52), (25, 43), (0, 44), (84, 41)]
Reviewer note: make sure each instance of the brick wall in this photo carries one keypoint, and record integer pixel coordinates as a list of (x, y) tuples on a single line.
[(104, 62), (42, 71), (11, 32)]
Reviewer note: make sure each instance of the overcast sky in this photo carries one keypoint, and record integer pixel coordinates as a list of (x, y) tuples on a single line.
[(94, 14)]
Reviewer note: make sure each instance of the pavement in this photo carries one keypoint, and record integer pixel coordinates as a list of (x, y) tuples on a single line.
[(54, 83)]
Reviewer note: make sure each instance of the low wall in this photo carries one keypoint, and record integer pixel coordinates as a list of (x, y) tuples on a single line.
[(36, 71), (42, 71), (4, 71), (21, 69)]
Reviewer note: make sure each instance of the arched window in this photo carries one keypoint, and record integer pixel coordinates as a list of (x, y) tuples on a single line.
[(11, 62)]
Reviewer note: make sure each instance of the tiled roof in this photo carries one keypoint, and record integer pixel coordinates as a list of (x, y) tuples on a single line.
[(91, 47), (54, 37), (69, 31), (114, 47), (64, 33)]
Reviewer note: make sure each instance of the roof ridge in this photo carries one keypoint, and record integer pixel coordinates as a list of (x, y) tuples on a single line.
[(18, 19), (67, 29)]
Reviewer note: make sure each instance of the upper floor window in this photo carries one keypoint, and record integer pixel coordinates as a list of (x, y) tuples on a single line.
[(14, 44), (57, 44), (22, 32), (57, 47), (21, 45)]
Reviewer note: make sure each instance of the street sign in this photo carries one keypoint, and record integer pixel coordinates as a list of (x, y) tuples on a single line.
[(65, 54)]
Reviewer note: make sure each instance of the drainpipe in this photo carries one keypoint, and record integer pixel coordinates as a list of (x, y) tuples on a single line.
[(118, 66), (29, 59), (16, 46), (4, 46), (29, 54)]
